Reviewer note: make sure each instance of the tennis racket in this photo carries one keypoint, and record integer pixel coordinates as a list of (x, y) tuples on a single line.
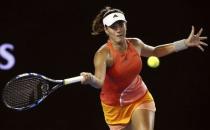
[(28, 90)]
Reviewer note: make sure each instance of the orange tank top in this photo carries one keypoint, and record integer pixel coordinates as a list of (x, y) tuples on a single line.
[(122, 84)]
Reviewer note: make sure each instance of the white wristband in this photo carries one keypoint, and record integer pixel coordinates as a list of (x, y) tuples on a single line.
[(180, 45)]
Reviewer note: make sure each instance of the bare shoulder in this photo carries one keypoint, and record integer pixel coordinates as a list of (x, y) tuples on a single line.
[(103, 50), (103, 55), (138, 43)]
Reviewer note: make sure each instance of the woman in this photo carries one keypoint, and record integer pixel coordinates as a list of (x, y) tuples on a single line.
[(127, 104)]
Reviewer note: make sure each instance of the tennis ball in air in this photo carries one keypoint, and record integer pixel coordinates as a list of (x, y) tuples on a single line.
[(153, 62)]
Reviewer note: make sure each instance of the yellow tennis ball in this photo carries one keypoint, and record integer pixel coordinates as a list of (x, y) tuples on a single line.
[(153, 62)]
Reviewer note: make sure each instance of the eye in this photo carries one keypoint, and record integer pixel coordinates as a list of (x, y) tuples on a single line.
[(113, 26)]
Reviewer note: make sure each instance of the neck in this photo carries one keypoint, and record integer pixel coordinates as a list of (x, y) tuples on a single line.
[(121, 46)]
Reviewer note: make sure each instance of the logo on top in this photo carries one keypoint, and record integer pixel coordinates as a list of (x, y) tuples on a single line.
[(115, 16)]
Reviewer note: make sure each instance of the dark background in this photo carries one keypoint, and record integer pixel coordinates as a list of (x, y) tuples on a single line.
[(53, 38)]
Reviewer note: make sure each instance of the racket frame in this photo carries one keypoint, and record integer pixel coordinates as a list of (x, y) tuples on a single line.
[(59, 83)]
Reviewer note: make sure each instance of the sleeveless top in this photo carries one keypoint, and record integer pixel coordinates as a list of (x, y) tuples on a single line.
[(122, 84)]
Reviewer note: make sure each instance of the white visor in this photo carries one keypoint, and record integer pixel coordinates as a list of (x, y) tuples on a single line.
[(112, 18)]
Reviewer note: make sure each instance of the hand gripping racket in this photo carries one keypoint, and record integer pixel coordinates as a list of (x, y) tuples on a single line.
[(27, 90)]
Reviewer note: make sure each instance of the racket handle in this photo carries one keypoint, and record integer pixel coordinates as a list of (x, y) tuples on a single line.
[(73, 80)]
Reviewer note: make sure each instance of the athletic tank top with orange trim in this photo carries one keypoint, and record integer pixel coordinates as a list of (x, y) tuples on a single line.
[(122, 84)]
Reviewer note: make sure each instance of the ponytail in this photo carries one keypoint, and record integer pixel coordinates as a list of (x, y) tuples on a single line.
[(97, 26)]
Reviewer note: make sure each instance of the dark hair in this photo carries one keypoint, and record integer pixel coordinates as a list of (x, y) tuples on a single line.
[(97, 26)]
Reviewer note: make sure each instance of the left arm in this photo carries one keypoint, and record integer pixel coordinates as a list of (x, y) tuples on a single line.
[(193, 40)]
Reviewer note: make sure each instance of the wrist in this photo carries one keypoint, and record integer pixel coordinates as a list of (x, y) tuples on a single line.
[(180, 45), (94, 82)]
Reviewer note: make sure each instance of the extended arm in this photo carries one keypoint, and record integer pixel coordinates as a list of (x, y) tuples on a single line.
[(193, 40)]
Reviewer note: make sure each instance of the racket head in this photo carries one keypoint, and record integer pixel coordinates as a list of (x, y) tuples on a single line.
[(27, 90)]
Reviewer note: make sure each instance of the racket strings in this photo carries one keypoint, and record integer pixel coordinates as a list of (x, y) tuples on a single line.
[(23, 91)]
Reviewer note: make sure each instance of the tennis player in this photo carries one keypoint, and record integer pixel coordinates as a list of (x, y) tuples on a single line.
[(126, 101)]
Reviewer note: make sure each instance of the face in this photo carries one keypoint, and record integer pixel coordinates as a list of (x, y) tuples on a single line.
[(117, 31)]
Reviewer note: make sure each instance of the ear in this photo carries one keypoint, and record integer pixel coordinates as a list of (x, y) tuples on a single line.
[(106, 30)]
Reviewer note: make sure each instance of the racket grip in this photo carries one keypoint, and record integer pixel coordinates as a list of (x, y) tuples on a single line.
[(73, 80)]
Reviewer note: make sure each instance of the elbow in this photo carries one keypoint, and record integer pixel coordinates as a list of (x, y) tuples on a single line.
[(156, 53)]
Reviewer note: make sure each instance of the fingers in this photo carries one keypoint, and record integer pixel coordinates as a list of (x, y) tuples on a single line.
[(199, 38), (192, 31), (200, 47), (199, 33), (83, 79), (87, 77), (203, 43), (203, 38)]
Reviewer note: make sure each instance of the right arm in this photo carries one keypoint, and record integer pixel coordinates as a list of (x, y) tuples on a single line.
[(100, 64)]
